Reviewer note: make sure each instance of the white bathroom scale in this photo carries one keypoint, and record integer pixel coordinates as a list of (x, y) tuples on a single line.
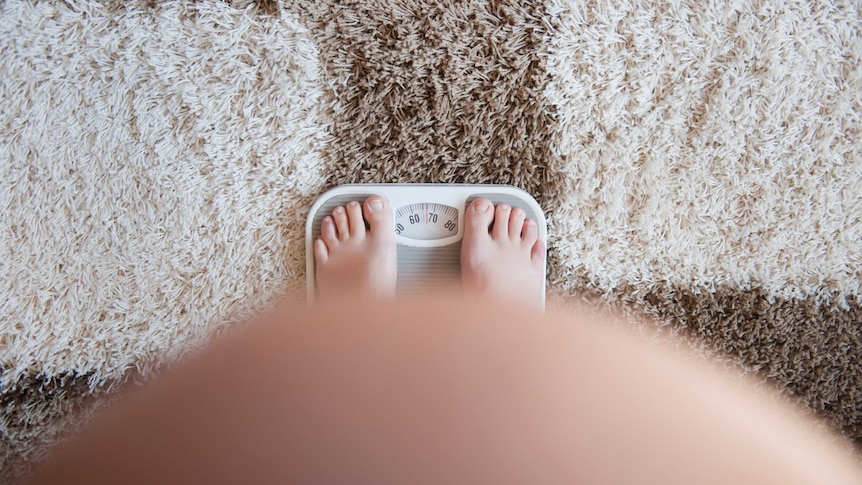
[(428, 226)]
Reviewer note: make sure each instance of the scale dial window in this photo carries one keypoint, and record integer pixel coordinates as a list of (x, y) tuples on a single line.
[(426, 221)]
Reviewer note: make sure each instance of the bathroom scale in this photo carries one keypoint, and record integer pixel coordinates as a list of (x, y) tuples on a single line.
[(428, 226)]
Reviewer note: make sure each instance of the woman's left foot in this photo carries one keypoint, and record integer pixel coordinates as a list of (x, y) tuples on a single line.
[(354, 260)]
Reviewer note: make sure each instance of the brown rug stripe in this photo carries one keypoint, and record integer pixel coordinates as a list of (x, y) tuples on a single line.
[(433, 91), (39, 413), (809, 349)]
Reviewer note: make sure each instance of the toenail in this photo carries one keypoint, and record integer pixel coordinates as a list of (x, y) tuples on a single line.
[(519, 212), (481, 206), (327, 220), (376, 204), (353, 203), (504, 207), (339, 210)]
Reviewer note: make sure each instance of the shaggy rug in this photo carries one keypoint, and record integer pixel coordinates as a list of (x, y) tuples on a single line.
[(698, 162)]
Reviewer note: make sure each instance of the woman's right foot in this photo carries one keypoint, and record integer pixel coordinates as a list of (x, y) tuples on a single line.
[(506, 261)]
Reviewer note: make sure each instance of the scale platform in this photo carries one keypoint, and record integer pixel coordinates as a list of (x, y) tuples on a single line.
[(428, 226)]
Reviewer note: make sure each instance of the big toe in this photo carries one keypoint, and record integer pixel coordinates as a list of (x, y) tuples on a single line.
[(478, 218), (378, 213)]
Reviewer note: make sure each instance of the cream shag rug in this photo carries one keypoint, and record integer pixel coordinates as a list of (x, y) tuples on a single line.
[(700, 163)]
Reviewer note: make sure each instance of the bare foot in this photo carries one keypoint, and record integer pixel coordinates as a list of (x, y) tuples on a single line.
[(353, 260), (507, 261)]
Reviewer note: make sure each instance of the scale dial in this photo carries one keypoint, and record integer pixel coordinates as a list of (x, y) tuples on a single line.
[(426, 221)]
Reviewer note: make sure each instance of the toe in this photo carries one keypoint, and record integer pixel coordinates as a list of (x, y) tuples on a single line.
[(328, 231), (379, 215), (478, 218), (501, 222), (339, 215), (321, 254), (355, 220), (516, 223), (537, 254), (530, 234)]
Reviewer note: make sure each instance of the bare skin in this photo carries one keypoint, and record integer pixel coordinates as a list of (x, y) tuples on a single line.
[(506, 260), (501, 254), (446, 389), (443, 389), (352, 259)]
